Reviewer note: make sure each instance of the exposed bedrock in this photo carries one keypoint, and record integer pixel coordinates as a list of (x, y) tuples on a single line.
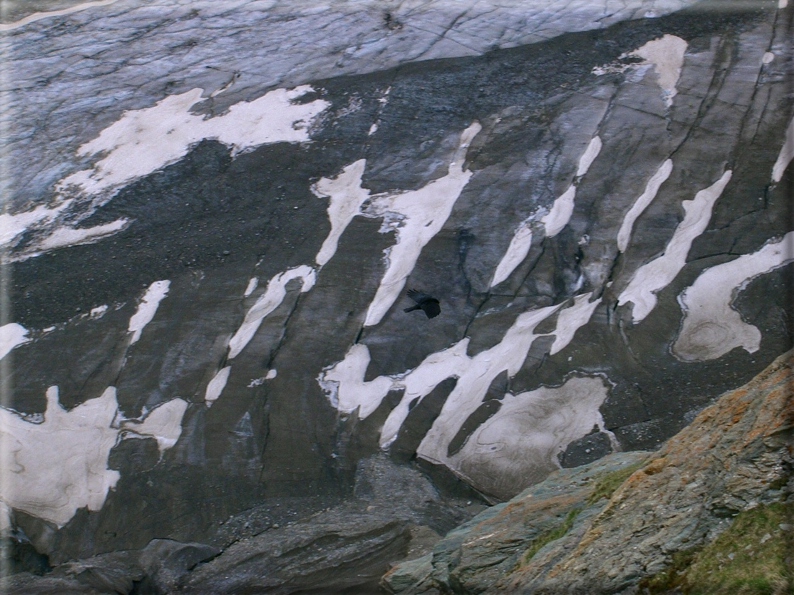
[(702, 514), (206, 274)]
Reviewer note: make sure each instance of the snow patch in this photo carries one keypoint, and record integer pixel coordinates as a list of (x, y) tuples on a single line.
[(516, 253), (271, 374), (518, 446), (12, 335), (571, 320), (70, 236), (346, 197), (416, 217), (654, 276), (216, 385), (13, 226), (642, 202), (56, 465), (667, 56), (147, 308), (252, 283), (163, 423), (562, 209), (786, 154), (267, 302), (143, 141), (768, 58), (711, 326)]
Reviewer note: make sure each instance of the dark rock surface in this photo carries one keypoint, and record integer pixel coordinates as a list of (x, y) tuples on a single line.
[(202, 330)]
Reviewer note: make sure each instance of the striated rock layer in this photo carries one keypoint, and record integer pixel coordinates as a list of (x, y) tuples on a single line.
[(621, 522)]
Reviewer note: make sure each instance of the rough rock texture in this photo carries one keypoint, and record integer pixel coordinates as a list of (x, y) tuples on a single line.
[(736, 456), (204, 265)]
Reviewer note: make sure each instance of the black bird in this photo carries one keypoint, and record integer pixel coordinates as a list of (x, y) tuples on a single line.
[(427, 303)]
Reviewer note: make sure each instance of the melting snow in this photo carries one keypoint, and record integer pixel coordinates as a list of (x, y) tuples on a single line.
[(667, 56), (143, 141), (252, 283), (11, 335), (571, 320), (516, 253), (657, 274), (786, 154), (711, 327), (58, 465), (216, 385), (267, 302), (642, 202), (147, 308)]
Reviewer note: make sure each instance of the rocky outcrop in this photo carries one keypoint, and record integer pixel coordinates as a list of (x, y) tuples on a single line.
[(629, 520)]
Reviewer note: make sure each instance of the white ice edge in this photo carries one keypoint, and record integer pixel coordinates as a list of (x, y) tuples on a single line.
[(147, 308), (654, 276), (642, 202), (711, 326)]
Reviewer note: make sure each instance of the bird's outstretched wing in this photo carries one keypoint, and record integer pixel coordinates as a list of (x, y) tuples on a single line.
[(427, 303)]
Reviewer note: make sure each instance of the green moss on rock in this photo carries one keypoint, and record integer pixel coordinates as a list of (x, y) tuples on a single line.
[(753, 556)]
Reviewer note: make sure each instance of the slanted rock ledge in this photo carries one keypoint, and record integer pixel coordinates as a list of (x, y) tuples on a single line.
[(621, 523)]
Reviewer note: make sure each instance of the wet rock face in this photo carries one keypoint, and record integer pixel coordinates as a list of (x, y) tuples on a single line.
[(207, 274)]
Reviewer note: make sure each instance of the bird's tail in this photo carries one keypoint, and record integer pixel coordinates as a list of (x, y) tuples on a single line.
[(412, 308)]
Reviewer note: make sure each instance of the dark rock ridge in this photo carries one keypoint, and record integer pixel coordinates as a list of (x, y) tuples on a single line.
[(205, 274), (620, 523)]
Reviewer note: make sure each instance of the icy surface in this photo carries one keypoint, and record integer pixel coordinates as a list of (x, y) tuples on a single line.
[(147, 308), (657, 274), (711, 326)]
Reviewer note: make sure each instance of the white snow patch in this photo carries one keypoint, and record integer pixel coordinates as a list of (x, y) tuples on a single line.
[(768, 58), (12, 226), (346, 389), (516, 253), (562, 209), (559, 215), (589, 155), (786, 154), (147, 308), (271, 374), (519, 445), (373, 129), (56, 465), (216, 385), (782, 3), (267, 302), (416, 216), (70, 236), (571, 320), (163, 423), (252, 283), (37, 16), (346, 197), (143, 141), (98, 312), (642, 202), (11, 336), (667, 56), (711, 326), (657, 274)]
